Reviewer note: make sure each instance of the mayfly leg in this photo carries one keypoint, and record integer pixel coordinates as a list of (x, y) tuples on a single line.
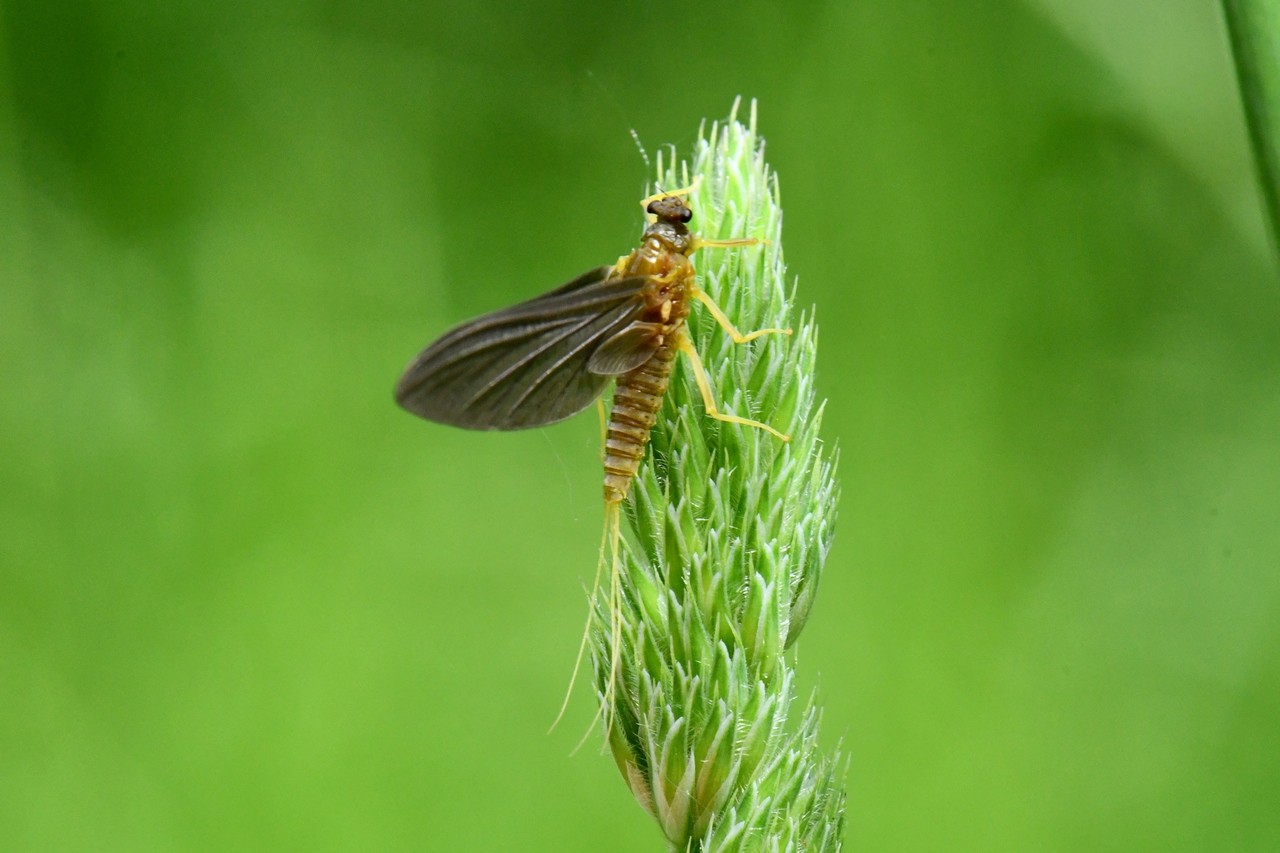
[(728, 243), (700, 373), (726, 324), (681, 191), (708, 401)]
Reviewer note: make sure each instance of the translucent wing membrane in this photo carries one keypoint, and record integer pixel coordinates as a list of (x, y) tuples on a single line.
[(626, 350), (527, 365)]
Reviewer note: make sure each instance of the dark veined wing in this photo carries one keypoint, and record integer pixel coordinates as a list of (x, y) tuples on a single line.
[(527, 365), (626, 350)]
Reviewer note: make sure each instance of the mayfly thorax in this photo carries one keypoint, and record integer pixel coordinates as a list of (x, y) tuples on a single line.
[(548, 358)]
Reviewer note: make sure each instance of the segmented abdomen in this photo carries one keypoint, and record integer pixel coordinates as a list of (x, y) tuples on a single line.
[(636, 401)]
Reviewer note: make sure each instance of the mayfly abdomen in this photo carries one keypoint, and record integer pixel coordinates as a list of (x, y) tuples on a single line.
[(636, 401)]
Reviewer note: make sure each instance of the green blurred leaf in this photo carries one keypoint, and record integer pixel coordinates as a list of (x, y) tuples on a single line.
[(1254, 26)]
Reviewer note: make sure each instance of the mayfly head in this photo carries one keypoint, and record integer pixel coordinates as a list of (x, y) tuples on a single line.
[(671, 216)]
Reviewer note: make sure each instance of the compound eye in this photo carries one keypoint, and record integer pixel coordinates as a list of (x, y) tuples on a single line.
[(686, 215), (652, 209)]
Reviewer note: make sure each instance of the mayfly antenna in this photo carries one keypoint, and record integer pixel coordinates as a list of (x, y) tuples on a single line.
[(644, 155)]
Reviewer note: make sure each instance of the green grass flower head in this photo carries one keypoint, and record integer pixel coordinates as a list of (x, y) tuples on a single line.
[(726, 531)]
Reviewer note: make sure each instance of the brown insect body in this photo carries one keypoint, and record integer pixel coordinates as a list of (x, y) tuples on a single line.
[(550, 357), (638, 393)]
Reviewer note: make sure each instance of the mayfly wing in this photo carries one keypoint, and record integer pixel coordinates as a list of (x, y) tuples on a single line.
[(627, 350), (527, 365)]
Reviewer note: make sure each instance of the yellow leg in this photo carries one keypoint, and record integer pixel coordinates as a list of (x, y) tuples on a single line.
[(684, 191), (704, 386), (732, 242), (723, 320)]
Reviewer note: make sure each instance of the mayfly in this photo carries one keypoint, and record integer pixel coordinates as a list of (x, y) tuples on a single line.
[(549, 358)]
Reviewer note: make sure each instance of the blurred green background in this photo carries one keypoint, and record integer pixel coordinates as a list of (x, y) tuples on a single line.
[(246, 603)]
